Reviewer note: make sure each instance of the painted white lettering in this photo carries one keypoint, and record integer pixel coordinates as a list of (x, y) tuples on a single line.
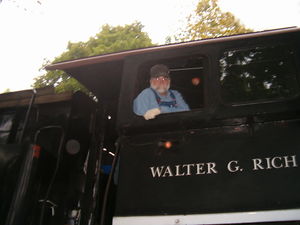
[(211, 168), (291, 160), (276, 162), (268, 163), (200, 169), (168, 172), (156, 171), (232, 166), (188, 168), (279, 163), (178, 174), (257, 164)]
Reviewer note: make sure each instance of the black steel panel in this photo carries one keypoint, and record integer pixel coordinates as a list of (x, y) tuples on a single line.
[(268, 156)]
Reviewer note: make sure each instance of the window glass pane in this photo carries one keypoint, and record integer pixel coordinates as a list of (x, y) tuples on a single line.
[(259, 73), (6, 122)]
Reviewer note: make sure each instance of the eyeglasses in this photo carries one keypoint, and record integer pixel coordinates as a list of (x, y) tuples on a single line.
[(161, 78)]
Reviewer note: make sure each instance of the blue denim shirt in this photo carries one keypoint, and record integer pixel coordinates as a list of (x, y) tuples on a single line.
[(146, 100)]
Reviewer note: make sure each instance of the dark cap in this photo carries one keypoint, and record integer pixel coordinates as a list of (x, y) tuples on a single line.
[(159, 70)]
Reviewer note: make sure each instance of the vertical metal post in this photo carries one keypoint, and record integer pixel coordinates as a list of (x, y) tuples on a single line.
[(27, 115)]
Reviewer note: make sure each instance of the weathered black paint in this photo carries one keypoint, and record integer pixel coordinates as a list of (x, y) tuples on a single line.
[(247, 190), (220, 132)]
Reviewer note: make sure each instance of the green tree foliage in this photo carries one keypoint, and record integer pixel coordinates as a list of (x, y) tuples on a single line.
[(7, 90), (109, 39), (208, 21)]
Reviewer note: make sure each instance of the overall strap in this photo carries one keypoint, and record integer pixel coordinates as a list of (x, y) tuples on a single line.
[(172, 103), (172, 95), (158, 99)]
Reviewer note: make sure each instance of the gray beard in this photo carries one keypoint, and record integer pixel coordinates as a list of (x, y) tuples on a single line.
[(160, 90)]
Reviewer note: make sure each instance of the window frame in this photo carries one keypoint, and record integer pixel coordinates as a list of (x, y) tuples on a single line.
[(127, 119)]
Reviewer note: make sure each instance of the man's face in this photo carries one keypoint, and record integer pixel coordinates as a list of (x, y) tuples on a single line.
[(160, 84)]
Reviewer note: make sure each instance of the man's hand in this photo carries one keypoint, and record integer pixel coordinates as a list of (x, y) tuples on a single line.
[(152, 113)]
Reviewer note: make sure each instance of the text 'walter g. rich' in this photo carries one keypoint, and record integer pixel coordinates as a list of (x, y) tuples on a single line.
[(211, 168)]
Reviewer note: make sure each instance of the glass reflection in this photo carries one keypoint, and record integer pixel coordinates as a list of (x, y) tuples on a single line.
[(5, 126), (258, 73)]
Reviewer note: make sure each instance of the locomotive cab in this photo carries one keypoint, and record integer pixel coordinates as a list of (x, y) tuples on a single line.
[(233, 158)]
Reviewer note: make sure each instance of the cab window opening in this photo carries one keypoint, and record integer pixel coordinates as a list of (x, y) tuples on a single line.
[(186, 77)]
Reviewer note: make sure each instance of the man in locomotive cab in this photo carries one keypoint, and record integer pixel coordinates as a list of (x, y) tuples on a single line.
[(159, 98)]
